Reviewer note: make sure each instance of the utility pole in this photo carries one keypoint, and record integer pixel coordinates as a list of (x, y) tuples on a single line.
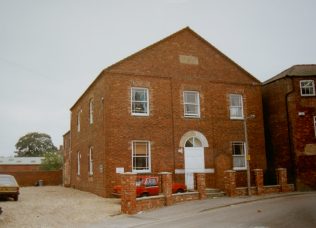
[(247, 153)]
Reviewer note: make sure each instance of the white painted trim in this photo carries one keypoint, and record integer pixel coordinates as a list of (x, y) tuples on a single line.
[(90, 161), (196, 134), (179, 171), (242, 107), (78, 163), (91, 110), (149, 157), (245, 155), (307, 95), (198, 105), (147, 100), (315, 125), (182, 171), (211, 170)]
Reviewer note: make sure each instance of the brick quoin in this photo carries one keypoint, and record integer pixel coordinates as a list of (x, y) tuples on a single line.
[(162, 69)]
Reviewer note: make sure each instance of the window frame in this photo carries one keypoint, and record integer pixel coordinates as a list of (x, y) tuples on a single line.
[(148, 156), (314, 125), (231, 106), (244, 155), (194, 144), (90, 165), (78, 163), (79, 120), (312, 87), (91, 110), (190, 115), (147, 101)]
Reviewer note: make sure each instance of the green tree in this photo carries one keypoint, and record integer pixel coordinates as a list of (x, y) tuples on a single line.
[(34, 145), (52, 161)]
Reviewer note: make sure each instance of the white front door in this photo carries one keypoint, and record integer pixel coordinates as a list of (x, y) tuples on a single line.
[(194, 162)]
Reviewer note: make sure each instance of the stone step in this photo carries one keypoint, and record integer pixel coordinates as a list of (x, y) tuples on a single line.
[(214, 193), (212, 190)]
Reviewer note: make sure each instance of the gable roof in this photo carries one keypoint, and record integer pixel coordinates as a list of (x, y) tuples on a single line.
[(296, 70), (186, 29), (111, 68), (21, 160)]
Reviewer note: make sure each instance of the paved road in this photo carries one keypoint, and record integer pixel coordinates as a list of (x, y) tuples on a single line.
[(292, 210)]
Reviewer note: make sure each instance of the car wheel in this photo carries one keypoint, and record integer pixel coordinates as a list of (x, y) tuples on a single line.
[(145, 194), (179, 190), (16, 198)]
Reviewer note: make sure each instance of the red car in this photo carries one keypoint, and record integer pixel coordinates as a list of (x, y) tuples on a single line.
[(148, 186)]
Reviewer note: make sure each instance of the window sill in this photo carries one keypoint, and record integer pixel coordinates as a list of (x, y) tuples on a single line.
[(237, 118), (138, 114), (192, 117), (308, 95), (240, 168), (141, 171)]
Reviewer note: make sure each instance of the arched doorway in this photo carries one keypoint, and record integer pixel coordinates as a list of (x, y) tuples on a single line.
[(193, 143)]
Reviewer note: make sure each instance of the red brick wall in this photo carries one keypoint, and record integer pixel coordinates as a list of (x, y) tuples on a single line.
[(290, 149), (89, 135), (19, 168), (158, 69), (306, 177), (276, 126), (29, 178), (144, 204), (67, 159)]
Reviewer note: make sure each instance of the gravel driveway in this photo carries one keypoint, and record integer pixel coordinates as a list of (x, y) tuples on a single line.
[(56, 206)]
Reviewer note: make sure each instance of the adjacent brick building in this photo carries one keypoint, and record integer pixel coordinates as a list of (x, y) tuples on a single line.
[(177, 106), (67, 161), (289, 101), (17, 164), (27, 171)]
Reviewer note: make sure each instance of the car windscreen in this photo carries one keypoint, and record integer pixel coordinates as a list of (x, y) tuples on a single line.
[(7, 181)]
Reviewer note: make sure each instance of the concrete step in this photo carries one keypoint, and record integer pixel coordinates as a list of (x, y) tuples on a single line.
[(214, 193)]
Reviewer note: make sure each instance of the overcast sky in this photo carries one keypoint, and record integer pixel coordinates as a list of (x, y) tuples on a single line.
[(50, 51)]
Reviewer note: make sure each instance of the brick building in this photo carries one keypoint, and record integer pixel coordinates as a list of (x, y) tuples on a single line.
[(178, 105), (27, 171), (290, 121), (66, 155), (17, 164)]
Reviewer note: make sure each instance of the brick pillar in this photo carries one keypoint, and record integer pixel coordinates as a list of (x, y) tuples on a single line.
[(259, 181), (128, 197), (282, 179), (200, 182), (167, 187), (230, 182)]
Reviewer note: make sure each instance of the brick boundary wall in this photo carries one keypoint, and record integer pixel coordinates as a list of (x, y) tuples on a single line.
[(259, 188), (30, 178), (131, 205)]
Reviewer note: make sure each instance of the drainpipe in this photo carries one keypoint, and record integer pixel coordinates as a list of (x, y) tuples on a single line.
[(289, 129), (172, 119)]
